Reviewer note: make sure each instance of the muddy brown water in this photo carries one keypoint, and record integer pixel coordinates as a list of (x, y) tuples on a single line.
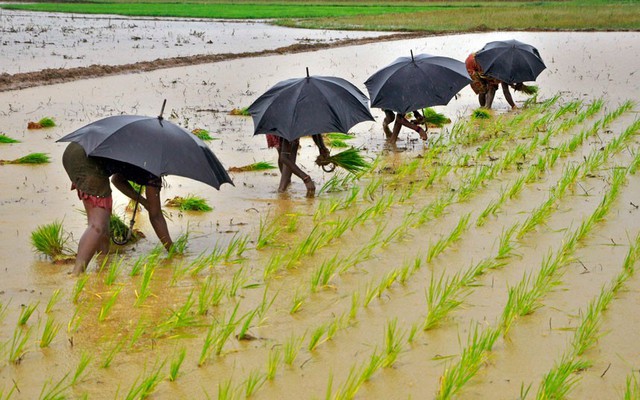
[(584, 66)]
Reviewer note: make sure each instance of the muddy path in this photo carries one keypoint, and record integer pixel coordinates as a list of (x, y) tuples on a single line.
[(59, 75)]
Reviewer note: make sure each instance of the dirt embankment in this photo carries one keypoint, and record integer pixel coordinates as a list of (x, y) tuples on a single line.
[(60, 75)]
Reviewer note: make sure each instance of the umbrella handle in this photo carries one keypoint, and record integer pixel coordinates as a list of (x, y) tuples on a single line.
[(164, 103), (127, 237), (328, 167)]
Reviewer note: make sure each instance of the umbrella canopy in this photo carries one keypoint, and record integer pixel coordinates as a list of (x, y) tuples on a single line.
[(153, 144), (510, 61), (413, 83), (307, 106)]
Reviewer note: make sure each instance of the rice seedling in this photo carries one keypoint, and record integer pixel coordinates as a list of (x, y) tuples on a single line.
[(17, 344), (273, 362), (78, 288), (370, 292), (438, 247), (353, 310), (412, 333), (6, 139), (433, 118), (49, 332), (55, 391), (85, 358), (257, 166), (144, 289), (529, 90), (268, 230), (225, 391), (338, 135), (350, 386), (376, 361), (74, 322), (273, 265), (108, 305), (47, 122), (225, 330), (237, 246), (587, 332), (506, 247), (3, 311), (350, 160), (632, 388), (115, 266), (316, 336), (441, 299), (337, 143), (558, 382), (138, 331), (246, 324), (208, 343), (238, 280), (292, 348), (292, 223), (202, 134), (254, 381), (33, 158), (392, 343), (111, 354), (51, 241), (473, 356), (480, 113), (26, 312), (174, 367), (324, 273), (147, 384), (190, 202), (180, 318)]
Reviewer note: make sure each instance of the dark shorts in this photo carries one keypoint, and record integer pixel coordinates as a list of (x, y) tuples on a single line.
[(86, 173)]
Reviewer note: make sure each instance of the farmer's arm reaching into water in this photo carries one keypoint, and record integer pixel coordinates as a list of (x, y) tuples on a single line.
[(156, 217), (123, 185)]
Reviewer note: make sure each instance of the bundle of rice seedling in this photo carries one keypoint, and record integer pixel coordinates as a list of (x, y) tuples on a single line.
[(47, 122), (337, 143), (202, 134), (351, 160), (6, 139), (481, 113), (189, 203), (43, 123), (259, 166), (528, 89), (338, 136), (117, 227), (33, 158), (50, 240), (240, 111), (433, 118)]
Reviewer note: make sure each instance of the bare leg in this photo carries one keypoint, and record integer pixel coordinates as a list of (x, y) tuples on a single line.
[(95, 238), (389, 116), (288, 158), (482, 99), (491, 93), (507, 95), (402, 121)]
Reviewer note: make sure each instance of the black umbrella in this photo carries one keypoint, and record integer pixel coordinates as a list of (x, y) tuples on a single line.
[(307, 106), (153, 144), (412, 83), (510, 61)]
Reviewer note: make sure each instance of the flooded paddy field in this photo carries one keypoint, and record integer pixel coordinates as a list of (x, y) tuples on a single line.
[(481, 254)]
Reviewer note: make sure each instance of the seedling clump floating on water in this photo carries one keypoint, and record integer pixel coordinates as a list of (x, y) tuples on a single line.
[(189, 203), (258, 166), (6, 139), (50, 240), (202, 134), (33, 158)]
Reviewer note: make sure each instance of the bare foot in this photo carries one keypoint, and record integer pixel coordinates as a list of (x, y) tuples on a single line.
[(311, 187), (422, 133)]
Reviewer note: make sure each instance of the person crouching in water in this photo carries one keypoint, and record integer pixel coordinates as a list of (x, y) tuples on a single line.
[(90, 178)]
